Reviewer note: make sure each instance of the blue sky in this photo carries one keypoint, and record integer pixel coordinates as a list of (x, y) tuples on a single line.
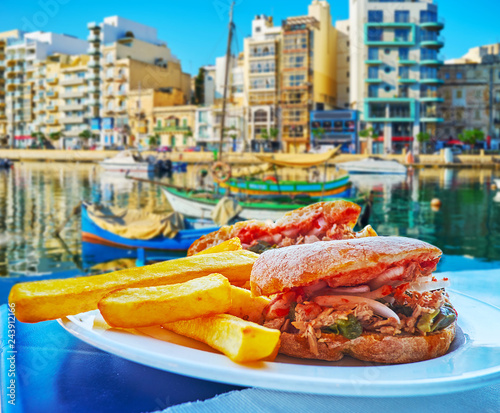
[(196, 30)]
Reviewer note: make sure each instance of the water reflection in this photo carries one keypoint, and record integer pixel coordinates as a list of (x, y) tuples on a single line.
[(35, 198)]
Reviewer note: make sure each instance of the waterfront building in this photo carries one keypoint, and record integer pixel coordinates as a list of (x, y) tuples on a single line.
[(141, 104), (174, 125), (126, 55), (23, 54), (394, 61), (308, 72), (261, 81), (207, 127), (330, 128), (471, 96)]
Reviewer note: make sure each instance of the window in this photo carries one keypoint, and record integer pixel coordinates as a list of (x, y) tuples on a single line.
[(459, 75), (373, 73), (348, 74), (401, 35), (478, 115), (387, 88), (260, 116), (427, 16), (403, 91), (404, 53), (404, 72), (458, 94), (375, 16), (372, 91), (401, 16), (387, 51), (374, 34), (372, 53), (478, 94), (446, 75), (387, 69)]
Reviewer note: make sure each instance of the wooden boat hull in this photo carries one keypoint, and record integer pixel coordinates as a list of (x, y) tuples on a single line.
[(94, 234), (202, 207), (339, 187)]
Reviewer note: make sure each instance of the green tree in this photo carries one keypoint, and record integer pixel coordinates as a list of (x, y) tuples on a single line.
[(370, 134), (86, 134), (318, 133), (199, 88), (274, 133), (423, 138), (153, 140), (55, 136), (471, 136), (264, 134)]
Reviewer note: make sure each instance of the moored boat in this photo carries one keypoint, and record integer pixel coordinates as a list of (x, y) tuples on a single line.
[(373, 165), (181, 241), (128, 162), (200, 204)]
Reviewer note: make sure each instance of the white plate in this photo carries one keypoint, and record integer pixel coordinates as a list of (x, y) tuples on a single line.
[(472, 361)]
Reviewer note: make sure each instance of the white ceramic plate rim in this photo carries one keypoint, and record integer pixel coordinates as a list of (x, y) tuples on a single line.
[(309, 377)]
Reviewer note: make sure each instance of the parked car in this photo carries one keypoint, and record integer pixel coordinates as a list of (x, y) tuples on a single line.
[(163, 149)]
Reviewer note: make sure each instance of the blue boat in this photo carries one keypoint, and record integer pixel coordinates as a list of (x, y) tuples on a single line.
[(194, 229)]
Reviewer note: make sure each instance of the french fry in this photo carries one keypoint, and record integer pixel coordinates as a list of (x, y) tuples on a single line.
[(150, 306), (240, 340), (233, 244), (247, 307), (51, 299)]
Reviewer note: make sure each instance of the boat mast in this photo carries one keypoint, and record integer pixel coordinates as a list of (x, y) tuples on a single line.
[(226, 75)]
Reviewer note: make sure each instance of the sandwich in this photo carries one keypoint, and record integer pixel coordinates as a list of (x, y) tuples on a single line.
[(372, 298), (322, 221)]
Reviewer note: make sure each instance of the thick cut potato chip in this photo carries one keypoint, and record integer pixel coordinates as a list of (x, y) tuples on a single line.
[(240, 340), (247, 307), (51, 299), (233, 244), (150, 306)]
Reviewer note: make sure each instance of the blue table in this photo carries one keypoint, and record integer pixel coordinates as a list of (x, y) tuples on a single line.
[(56, 372)]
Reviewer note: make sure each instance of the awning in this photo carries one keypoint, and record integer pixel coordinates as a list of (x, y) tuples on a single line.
[(23, 137), (453, 142), (299, 160), (396, 139)]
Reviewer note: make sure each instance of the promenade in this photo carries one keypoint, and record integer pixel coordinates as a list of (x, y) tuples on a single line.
[(36, 155)]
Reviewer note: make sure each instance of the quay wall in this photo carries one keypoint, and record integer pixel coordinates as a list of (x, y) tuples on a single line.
[(26, 155)]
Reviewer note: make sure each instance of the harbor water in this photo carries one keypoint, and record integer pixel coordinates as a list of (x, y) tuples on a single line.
[(37, 198)]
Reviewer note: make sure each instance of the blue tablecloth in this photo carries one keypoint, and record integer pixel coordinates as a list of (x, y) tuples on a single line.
[(55, 372)]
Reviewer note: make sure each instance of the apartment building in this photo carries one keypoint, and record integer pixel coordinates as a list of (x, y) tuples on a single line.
[(471, 96), (261, 77), (125, 56), (175, 125), (23, 80), (208, 122), (308, 72), (394, 62)]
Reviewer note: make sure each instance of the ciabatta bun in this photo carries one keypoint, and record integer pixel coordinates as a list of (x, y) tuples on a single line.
[(300, 221), (372, 347), (343, 262)]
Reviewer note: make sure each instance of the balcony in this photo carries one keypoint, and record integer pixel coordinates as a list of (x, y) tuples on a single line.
[(40, 109), (93, 50), (39, 98), (438, 61), (432, 24), (94, 64), (373, 62), (430, 96), (173, 129), (373, 80), (52, 80), (93, 102), (52, 94), (407, 62), (406, 80), (94, 38), (72, 119), (52, 121), (93, 89), (19, 118), (433, 42), (73, 81), (383, 40), (431, 80), (53, 108), (73, 106), (93, 77), (121, 78), (75, 94), (431, 119)]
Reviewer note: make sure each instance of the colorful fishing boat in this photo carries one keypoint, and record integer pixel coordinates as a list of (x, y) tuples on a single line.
[(180, 242), (200, 204), (243, 181)]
